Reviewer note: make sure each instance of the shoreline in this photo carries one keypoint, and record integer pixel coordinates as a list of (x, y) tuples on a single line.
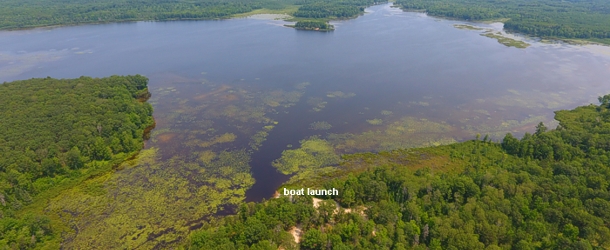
[(571, 41), (288, 11)]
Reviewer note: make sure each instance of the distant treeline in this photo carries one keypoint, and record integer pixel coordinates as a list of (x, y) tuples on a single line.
[(16, 14), (332, 9), (55, 131), (542, 18), (547, 190)]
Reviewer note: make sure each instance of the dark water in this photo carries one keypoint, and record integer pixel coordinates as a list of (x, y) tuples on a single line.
[(406, 63)]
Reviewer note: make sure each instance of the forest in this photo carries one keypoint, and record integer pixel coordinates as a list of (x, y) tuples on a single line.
[(58, 132), (588, 20), (313, 25), (338, 9), (547, 190), (18, 14)]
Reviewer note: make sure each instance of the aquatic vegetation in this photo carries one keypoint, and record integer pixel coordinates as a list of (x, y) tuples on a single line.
[(536, 99), (191, 163), (224, 138), (423, 104), (302, 85), (320, 125), (317, 103), (314, 153), (131, 207), (506, 41), (207, 156), (340, 94), (257, 139), (386, 112), (282, 98), (482, 111), (408, 132), (375, 121), (244, 113), (466, 27)]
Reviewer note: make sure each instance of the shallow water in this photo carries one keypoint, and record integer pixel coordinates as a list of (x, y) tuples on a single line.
[(390, 79)]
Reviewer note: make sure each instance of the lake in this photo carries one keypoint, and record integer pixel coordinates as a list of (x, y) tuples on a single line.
[(231, 95)]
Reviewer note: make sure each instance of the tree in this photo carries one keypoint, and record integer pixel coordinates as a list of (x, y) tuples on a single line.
[(74, 160), (313, 240), (540, 128), (604, 100)]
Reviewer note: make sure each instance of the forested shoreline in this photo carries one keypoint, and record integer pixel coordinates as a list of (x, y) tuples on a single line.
[(30, 13), (587, 20), (547, 190), (56, 133)]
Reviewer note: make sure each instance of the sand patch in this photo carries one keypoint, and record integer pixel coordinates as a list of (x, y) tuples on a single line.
[(296, 233)]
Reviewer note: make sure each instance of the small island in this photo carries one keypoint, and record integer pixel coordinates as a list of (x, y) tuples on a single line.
[(312, 25)]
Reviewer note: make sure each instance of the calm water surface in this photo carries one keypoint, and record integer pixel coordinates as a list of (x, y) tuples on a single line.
[(387, 65)]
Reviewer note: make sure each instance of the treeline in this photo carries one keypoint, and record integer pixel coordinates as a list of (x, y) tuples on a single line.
[(548, 190), (332, 9), (543, 18), (51, 130), (15, 14), (313, 25)]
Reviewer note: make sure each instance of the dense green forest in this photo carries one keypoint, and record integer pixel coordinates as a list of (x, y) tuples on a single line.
[(56, 132), (16, 14), (543, 18), (332, 9), (313, 25), (547, 190)]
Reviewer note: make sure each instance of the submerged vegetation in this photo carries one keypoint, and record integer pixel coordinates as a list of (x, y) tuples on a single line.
[(55, 133), (375, 121), (317, 103), (340, 94), (320, 125), (547, 190)]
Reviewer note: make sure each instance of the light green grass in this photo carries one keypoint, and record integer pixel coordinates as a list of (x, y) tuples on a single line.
[(508, 42), (288, 10)]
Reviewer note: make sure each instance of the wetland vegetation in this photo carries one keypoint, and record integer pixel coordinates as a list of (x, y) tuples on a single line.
[(245, 106), (546, 190), (57, 133), (508, 42)]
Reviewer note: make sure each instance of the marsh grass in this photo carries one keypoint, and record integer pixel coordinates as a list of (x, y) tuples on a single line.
[(506, 41), (466, 27)]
